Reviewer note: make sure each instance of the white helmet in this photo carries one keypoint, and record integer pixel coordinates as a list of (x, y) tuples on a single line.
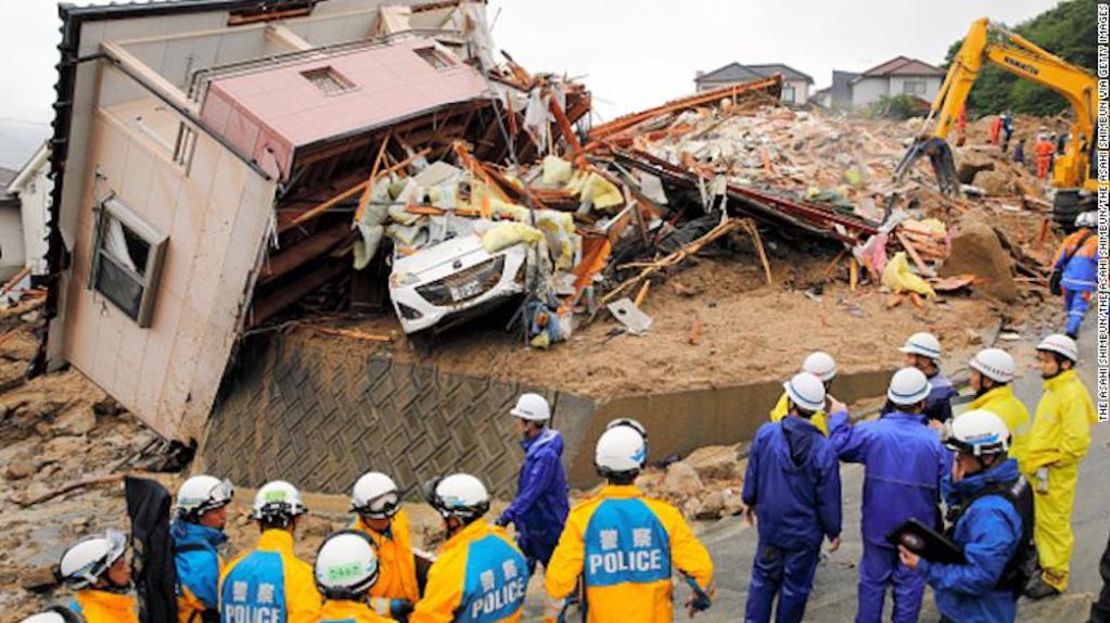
[(908, 387), (1087, 219), (821, 365), (83, 564), (532, 407), (924, 344), (1061, 345), (56, 614), (458, 495), (806, 391), (375, 496), (202, 493), (278, 502), (621, 449), (346, 566), (995, 364), (978, 432)]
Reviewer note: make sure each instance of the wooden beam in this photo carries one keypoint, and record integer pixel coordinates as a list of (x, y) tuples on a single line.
[(266, 306), (297, 255), (165, 88), (278, 33)]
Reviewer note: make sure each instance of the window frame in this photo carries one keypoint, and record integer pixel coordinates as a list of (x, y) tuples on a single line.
[(112, 208), (924, 84)]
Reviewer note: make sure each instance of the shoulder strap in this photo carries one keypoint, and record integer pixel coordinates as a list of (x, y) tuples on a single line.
[(1018, 493), (1078, 245)]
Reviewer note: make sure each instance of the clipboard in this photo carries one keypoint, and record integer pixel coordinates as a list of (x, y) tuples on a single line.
[(927, 543)]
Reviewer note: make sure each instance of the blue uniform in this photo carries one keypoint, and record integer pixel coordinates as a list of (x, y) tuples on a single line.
[(269, 584), (197, 562), (938, 405), (989, 532), (904, 463), (539, 510), (793, 482), (1079, 263)]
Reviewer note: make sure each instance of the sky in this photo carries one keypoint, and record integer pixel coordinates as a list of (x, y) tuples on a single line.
[(631, 53)]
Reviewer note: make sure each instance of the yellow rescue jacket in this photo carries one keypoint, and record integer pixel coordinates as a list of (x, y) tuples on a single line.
[(625, 547), (819, 419), (1001, 402), (395, 560), (105, 607), (268, 581), (479, 575), (1061, 429), (341, 611)]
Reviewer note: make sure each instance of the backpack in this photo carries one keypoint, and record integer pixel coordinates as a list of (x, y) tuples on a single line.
[(1022, 566)]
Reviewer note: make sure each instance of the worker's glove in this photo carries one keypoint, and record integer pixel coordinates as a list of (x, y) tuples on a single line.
[(502, 521), (1042, 480), (400, 608), (700, 600)]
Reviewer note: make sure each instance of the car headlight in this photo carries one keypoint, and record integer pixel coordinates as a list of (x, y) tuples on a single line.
[(402, 279)]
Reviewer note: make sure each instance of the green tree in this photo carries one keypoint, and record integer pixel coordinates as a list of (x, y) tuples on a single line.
[(1068, 31)]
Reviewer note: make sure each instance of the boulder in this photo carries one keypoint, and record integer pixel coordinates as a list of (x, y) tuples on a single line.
[(39, 578), (734, 504), (715, 462), (977, 250), (995, 182), (712, 506), (75, 422), (19, 469), (681, 481), (969, 163)]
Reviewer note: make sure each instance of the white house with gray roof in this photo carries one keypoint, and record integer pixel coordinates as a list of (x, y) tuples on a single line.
[(795, 85)]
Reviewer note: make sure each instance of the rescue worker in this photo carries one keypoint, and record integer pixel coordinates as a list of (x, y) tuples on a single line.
[(1076, 270), (1058, 441), (991, 508), (376, 501), (346, 569), (270, 583), (992, 370), (539, 510), (479, 575), (1019, 153), (904, 462), (793, 485), (996, 130), (1007, 130), (922, 351), (198, 535), (1044, 150), (96, 570), (823, 366), (624, 545), (55, 614)]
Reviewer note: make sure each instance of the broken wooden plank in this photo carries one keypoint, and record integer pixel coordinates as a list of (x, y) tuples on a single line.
[(753, 231), (641, 296), (23, 272), (925, 270), (853, 274), (695, 332), (354, 333)]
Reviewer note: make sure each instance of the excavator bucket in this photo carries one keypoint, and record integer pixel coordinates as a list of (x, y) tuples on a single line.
[(940, 154)]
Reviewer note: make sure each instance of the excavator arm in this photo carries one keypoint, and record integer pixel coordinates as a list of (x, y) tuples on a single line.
[(1019, 56)]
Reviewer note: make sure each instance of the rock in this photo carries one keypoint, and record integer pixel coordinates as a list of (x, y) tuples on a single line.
[(44, 430), (973, 337), (712, 506), (714, 463), (734, 504), (76, 421), (691, 507), (971, 163), (977, 250), (681, 481), (995, 182), (21, 346), (63, 448), (39, 579), (18, 470)]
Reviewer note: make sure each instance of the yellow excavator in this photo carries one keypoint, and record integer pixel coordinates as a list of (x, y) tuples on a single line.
[(1073, 176)]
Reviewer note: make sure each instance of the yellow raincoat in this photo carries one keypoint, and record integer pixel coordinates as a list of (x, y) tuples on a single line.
[(1001, 402), (340, 611), (397, 579), (105, 607), (624, 546), (479, 575), (1058, 441), (819, 419), (254, 584)]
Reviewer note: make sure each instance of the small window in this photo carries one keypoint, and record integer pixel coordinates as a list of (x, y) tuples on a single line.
[(127, 261), (914, 87), (435, 57), (328, 80), (788, 94)]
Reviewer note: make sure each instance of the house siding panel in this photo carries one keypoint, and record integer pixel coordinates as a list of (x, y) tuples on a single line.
[(868, 90)]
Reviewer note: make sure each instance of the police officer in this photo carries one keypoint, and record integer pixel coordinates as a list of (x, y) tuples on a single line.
[(624, 545), (479, 574), (823, 366), (346, 569), (793, 483), (904, 462), (922, 351), (198, 534), (539, 510), (96, 569), (991, 507), (270, 583), (376, 501)]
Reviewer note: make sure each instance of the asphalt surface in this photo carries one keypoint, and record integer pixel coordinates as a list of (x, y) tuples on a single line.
[(833, 600)]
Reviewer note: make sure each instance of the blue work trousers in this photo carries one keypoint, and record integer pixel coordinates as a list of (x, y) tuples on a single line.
[(786, 573), (879, 569), (1076, 304)]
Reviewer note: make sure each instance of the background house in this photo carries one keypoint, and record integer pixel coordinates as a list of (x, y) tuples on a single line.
[(32, 187), (11, 230), (898, 76), (839, 93), (795, 86)]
